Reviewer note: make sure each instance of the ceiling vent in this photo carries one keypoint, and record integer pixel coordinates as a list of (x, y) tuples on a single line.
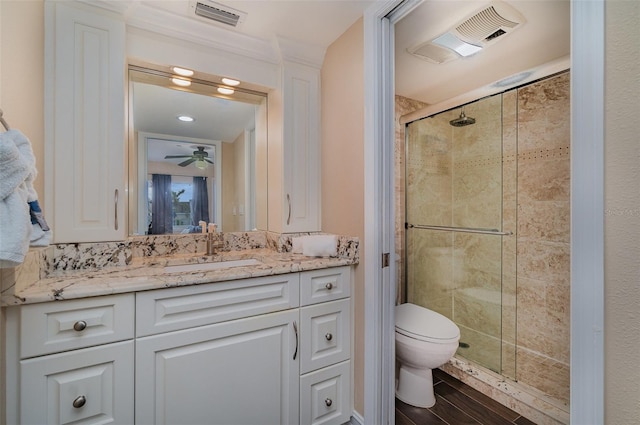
[(217, 12), (471, 35)]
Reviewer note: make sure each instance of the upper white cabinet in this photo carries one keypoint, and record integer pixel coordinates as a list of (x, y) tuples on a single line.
[(85, 124), (294, 155)]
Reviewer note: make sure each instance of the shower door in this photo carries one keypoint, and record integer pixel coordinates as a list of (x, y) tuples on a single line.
[(460, 204)]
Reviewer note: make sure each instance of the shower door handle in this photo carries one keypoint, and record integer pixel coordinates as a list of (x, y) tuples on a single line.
[(460, 229)]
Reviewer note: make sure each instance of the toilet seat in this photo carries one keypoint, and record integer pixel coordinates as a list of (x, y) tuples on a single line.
[(423, 324)]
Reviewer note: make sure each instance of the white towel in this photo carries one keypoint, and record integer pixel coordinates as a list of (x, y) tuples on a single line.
[(316, 245), (17, 166)]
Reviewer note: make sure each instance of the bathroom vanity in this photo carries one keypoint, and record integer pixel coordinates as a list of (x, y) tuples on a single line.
[(264, 343)]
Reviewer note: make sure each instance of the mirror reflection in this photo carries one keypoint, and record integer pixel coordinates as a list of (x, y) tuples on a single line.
[(198, 155)]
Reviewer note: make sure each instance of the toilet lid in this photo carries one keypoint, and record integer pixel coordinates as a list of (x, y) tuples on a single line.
[(421, 323)]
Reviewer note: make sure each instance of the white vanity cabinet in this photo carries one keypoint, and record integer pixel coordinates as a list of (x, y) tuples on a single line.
[(263, 350), (294, 155), (85, 176), (71, 362), (223, 353)]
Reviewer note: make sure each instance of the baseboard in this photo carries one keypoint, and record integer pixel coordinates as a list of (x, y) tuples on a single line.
[(356, 419)]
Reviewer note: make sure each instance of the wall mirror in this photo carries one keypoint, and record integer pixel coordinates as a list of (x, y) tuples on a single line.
[(197, 152)]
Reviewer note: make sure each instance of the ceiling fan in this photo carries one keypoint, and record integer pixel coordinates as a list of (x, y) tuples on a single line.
[(199, 156)]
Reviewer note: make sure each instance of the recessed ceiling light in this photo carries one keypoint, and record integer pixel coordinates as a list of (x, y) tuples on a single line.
[(181, 82), (230, 81), (225, 90), (514, 79), (186, 118), (182, 71)]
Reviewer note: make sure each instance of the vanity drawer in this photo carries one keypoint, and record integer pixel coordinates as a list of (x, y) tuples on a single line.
[(322, 285), (67, 325), (325, 396), (173, 309), (325, 334)]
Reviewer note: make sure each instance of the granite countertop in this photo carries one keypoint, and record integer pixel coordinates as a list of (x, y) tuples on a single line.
[(149, 273)]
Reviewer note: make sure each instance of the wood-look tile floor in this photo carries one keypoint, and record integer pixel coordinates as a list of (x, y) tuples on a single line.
[(457, 404)]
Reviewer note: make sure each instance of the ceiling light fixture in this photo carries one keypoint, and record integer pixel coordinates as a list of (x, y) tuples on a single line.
[(225, 90), (230, 81), (180, 82), (201, 164), (185, 118), (182, 71), (452, 42)]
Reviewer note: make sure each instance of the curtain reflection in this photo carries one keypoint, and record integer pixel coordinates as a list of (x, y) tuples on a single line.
[(200, 201), (161, 205)]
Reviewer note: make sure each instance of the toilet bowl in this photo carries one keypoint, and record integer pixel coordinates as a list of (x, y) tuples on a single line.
[(424, 340)]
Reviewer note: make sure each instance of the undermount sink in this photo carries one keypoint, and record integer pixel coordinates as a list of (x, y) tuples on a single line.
[(200, 267)]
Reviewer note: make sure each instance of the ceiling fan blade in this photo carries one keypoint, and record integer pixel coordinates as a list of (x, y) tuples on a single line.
[(209, 161), (187, 162), (177, 156)]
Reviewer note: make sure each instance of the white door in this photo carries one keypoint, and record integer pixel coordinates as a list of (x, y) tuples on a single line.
[(238, 372)]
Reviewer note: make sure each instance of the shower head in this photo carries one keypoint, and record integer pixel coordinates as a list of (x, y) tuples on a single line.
[(462, 120)]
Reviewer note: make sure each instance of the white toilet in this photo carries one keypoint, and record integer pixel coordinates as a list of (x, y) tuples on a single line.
[(424, 340)]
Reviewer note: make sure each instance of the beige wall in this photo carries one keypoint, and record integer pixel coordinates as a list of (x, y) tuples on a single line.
[(22, 85), (343, 165), (622, 213), (228, 186), (22, 75)]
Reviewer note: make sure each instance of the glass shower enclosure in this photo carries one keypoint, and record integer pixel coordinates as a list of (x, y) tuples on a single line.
[(460, 222)]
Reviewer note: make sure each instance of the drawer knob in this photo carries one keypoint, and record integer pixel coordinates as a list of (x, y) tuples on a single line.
[(329, 286), (328, 336), (80, 325), (79, 401), (328, 402)]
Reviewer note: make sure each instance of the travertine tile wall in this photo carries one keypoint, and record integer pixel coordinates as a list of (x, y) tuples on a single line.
[(403, 106), (543, 250), (470, 276)]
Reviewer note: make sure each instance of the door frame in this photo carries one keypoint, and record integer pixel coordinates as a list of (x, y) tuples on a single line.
[(587, 210)]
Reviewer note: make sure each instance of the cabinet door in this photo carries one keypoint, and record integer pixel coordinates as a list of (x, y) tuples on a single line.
[(301, 148), (238, 372), (88, 386), (85, 146)]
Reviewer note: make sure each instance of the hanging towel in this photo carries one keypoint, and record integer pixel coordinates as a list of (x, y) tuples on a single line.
[(40, 232), (15, 222)]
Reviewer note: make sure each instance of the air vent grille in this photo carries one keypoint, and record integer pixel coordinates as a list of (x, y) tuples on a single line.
[(218, 12), (483, 24), (478, 31)]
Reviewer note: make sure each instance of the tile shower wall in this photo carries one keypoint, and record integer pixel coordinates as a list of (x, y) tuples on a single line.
[(535, 206), (543, 250), (403, 106)]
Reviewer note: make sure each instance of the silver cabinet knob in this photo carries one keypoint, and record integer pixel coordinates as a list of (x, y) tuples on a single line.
[(328, 402), (80, 325), (329, 286), (79, 401), (328, 336)]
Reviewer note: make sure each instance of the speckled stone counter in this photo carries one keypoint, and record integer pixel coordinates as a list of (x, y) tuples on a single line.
[(70, 271)]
